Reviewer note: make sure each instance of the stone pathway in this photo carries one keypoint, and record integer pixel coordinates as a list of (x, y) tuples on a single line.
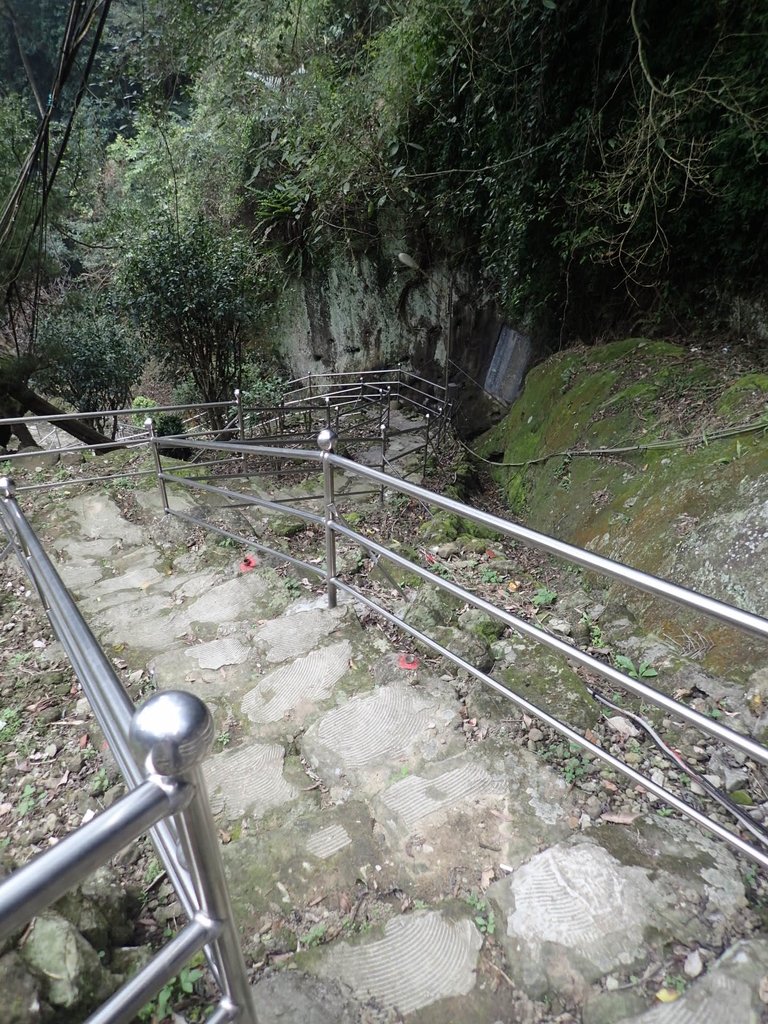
[(394, 868)]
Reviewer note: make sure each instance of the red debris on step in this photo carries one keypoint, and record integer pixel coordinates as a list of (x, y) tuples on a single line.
[(408, 661), (248, 563)]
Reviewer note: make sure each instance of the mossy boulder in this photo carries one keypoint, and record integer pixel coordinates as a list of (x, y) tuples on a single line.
[(472, 647), (69, 968), (478, 623), (429, 608), (287, 526), (628, 450), (22, 1003)]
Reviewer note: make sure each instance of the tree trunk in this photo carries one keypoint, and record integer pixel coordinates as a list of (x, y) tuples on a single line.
[(37, 405), (25, 438)]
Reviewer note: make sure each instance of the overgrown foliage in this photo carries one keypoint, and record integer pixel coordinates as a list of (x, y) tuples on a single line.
[(88, 354), (193, 293), (588, 162)]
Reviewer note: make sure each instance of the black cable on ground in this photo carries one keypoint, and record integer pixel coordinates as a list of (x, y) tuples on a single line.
[(757, 830)]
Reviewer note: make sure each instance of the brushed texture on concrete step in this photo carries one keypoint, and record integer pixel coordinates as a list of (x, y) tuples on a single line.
[(249, 779), (327, 841), (421, 958), (293, 635), (96, 547), (79, 575), (136, 580), (415, 798), (371, 731), (229, 600), (141, 620), (305, 680), (580, 898), (217, 653), (98, 516)]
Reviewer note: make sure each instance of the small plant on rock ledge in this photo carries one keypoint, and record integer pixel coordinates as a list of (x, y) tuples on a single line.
[(642, 671), (544, 597), (484, 918)]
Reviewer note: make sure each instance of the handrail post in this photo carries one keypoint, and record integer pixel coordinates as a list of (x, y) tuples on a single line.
[(383, 458), (171, 734), (440, 425), (327, 412), (426, 445), (240, 420), (149, 423), (326, 440)]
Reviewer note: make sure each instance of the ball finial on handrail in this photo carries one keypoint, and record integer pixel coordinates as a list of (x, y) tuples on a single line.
[(7, 487), (326, 439), (172, 732)]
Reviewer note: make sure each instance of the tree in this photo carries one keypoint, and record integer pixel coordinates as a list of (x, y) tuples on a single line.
[(194, 294), (88, 355)]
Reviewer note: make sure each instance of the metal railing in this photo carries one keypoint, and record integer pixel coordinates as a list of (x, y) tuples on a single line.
[(159, 750), (128, 437), (359, 404), (329, 517), (178, 838)]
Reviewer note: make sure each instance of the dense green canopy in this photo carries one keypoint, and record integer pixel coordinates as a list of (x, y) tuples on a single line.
[(592, 163)]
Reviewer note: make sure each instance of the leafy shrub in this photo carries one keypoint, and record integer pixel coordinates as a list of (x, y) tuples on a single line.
[(141, 402), (195, 292), (88, 354)]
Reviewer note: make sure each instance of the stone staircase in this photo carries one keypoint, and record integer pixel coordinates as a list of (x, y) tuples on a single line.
[(386, 864)]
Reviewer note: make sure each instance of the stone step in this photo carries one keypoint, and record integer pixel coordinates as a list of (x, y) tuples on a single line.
[(349, 782)]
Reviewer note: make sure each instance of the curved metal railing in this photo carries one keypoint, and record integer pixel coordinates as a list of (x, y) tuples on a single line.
[(334, 527), (159, 750)]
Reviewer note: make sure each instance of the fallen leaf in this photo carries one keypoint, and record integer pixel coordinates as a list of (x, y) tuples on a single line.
[(486, 877), (619, 819), (762, 989), (84, 741), (667, 995), (513, 585)]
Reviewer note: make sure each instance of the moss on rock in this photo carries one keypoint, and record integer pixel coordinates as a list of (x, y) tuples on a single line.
[(692, 512)]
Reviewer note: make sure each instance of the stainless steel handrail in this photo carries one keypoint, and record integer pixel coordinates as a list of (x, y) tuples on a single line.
[(184, 834), (735, 617), (9, 421)]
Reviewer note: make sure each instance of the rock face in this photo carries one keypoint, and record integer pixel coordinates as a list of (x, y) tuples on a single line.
[(22, 1003), (693, 513)]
